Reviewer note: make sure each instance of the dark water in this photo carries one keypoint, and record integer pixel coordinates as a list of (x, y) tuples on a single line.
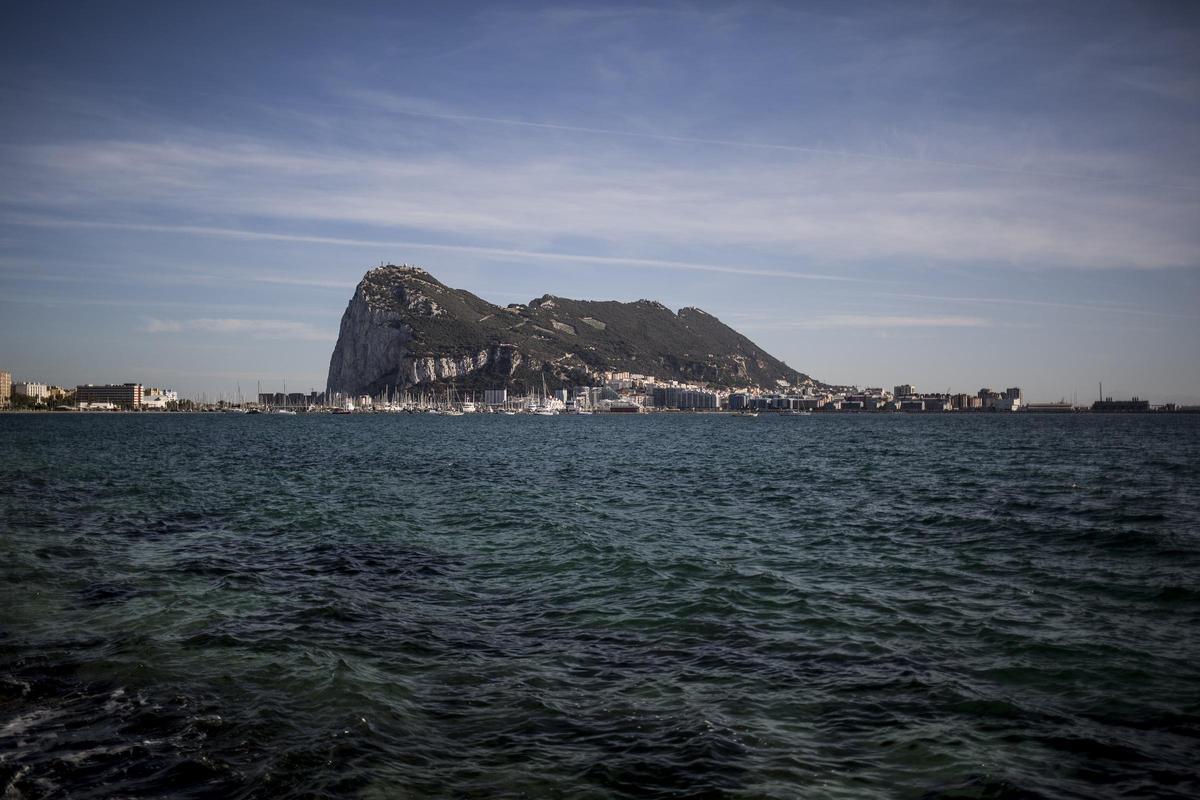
[(668, 606)]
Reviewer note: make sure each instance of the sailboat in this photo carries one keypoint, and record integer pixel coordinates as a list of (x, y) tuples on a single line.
[(544, 409), (451, 411), (286, 409)]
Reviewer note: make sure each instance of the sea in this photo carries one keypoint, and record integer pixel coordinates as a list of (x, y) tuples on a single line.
[(608, 606)]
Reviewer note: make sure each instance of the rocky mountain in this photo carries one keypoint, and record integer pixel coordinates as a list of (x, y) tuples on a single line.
[(404, 328)]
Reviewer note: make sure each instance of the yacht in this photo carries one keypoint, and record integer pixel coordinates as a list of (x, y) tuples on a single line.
[(545, 408)]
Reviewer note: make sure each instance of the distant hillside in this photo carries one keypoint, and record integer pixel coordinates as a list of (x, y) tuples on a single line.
[(403, 328)]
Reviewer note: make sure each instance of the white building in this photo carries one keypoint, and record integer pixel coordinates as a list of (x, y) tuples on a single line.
[(35, 391), (158, 398)]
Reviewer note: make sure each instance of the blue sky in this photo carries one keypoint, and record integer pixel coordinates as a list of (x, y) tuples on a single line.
[(954, 194)]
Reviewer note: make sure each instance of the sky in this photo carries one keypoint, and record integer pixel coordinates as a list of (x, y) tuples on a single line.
[(951, 194)]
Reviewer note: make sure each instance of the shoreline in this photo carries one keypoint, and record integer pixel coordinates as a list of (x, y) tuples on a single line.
[(644, 412)]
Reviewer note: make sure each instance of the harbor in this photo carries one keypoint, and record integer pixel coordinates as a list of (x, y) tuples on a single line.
[(611, 393)]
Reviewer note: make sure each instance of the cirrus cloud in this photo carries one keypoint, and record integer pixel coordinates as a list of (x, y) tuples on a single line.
[(252, 328)]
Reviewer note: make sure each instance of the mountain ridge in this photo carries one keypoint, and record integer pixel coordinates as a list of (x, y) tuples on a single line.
[(403, 327)]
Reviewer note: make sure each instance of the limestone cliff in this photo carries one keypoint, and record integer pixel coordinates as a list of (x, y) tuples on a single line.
[(403, 328)]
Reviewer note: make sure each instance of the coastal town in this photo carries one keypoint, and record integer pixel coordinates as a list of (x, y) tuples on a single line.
[(610, 392)]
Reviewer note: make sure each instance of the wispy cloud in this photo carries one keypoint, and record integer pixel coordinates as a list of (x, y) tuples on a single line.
[(162, 326), (499, 253), (627, 207), (873, 321), (250, 328), (413, 107), (1104, 308)]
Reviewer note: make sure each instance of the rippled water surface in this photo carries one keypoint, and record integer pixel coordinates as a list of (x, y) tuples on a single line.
[(661, 606)]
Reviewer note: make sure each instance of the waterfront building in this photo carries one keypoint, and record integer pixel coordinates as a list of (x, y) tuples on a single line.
[(739, 401), (1050, 408), (869, 400), (966, 402), (1108, 405), (987, 399), (590, 396), (685, 398), (120, 395), (911, 405), (158, 398), (904, 390), (38, 392), (938, 403), (495, 397), (5, 388)]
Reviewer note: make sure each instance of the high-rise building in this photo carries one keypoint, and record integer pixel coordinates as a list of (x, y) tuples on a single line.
[(683, 398), (5, 388), (904, 390), (987, 398), (123, 395)]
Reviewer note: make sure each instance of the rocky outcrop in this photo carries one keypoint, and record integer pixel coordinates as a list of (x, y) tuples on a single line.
[(500, 360), (372, 348), (404, 328)]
